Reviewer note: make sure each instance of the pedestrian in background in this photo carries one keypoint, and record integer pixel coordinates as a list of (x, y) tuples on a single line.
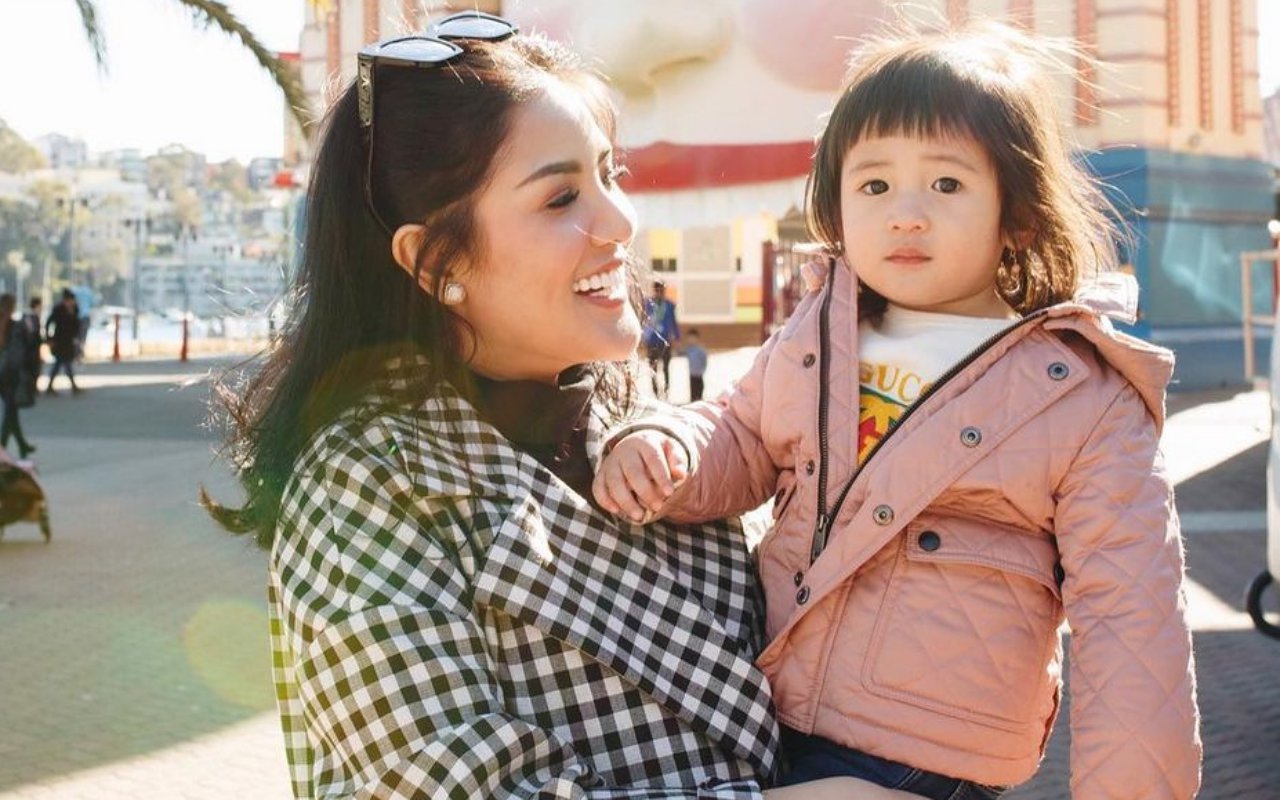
[(62, 331), (416, 452), (661, 331), (33, 324), (697, 355), (14, 382), (1004, 473)]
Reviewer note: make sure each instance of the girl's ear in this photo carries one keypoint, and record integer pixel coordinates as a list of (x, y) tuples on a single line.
[(1019, 240)]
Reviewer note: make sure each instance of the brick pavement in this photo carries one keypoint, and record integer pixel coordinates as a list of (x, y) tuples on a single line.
[(133, 660)]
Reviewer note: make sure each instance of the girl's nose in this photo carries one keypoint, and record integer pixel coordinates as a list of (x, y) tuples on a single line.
[(908, 216)]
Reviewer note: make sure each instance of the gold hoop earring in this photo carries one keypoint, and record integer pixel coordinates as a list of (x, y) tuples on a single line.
[(453, 294)]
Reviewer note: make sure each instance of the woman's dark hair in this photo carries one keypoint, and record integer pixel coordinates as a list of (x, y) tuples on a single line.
[(994, 84), (358, 318)]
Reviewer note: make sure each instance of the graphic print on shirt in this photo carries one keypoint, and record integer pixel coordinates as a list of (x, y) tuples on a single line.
[(885, 391)]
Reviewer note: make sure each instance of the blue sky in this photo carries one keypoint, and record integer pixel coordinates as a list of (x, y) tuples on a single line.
[(169, 82)]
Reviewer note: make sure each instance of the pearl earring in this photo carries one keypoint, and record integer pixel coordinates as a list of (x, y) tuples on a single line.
[(453, 294)]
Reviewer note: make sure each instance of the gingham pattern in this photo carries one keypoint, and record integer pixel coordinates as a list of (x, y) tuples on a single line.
[(449, 620)]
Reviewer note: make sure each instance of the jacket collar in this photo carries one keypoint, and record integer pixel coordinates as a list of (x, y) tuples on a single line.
[(1105, 297), (1148, 367)]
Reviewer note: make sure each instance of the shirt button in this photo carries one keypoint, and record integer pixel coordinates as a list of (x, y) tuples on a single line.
[(1058, 370), (970, 437), (810, 359), (798, 577), (930, 541), (808, 468), (802, 596), (882, 515)]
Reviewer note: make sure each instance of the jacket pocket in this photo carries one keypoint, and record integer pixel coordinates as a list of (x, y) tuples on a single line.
[(969, 623)]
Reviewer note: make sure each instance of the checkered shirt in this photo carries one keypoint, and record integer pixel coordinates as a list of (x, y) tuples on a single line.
[(450, 620)]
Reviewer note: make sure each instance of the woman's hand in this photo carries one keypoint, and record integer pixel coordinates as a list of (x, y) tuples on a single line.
[(837, 789), (639, 474)]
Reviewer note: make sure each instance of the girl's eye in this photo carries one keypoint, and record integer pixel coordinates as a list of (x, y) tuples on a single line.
[(613, 173), (947, 185), (564, 199), (874, 187)]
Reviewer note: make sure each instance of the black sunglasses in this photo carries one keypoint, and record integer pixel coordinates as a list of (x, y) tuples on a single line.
[(432, 48)]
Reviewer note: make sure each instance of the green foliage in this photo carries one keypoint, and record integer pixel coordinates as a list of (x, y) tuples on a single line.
[(16, 154), (231, 177)]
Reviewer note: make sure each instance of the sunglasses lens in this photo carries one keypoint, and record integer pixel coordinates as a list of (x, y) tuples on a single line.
[(418, 50), (474, 27)]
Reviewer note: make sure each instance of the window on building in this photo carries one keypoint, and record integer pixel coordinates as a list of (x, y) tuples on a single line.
[(663, 264)]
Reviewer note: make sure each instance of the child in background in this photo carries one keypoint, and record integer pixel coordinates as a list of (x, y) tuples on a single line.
[(961, 450), (697, 355)]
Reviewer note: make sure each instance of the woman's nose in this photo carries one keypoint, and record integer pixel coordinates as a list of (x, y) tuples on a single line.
[(615, 222)]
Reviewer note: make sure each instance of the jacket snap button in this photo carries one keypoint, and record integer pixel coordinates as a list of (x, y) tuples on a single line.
[(930, 541), (798, 577), (1059, 574), (970, 437), (809, 359), (802, 596), (808, 468), (883, 515), (1058, 370)]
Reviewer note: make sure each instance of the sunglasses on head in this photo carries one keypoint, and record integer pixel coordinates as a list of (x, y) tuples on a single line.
[(432, 48)]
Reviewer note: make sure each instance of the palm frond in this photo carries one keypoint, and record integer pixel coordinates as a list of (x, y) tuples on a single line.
[(211, 13), (89, 18)]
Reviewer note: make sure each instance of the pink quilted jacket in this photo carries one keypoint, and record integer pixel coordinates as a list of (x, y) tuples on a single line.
[(914, 605)]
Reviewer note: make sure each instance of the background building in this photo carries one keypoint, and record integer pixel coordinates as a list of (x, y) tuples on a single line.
[(62, 152), (721, 100)]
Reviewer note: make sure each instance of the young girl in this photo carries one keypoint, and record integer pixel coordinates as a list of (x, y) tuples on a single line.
[(961, 450)]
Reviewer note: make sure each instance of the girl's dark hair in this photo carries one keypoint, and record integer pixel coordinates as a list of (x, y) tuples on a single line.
[(994, 84), (358, 318)]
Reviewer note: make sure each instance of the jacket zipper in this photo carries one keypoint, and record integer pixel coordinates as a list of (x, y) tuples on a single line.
[(824, 369), (825, 517)]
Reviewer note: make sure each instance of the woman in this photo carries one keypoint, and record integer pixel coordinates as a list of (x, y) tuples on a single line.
[(450, 616), (15, 381)]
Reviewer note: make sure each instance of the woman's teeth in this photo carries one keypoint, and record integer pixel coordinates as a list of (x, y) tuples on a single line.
[(601, 280)]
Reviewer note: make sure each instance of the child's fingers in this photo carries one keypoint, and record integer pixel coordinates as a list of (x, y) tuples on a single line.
[(677, 460), (617, 486), (600, 489), (659, 486)]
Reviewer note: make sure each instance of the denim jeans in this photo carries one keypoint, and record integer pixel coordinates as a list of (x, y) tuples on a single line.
[(812, 757)]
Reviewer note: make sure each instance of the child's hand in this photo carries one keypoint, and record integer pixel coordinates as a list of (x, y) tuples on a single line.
[(638, 476)]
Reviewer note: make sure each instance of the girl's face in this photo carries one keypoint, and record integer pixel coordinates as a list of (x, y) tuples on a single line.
[(920, 219), (551, 288)]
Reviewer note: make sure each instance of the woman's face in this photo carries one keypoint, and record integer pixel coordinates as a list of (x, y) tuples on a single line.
[(550, 289)]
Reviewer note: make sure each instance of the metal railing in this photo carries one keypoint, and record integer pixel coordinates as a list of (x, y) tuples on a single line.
[(1247, 316)]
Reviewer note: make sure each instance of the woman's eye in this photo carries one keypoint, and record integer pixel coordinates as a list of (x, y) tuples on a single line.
[(947, 185), (874, 187), (613, 174), (563, 199)]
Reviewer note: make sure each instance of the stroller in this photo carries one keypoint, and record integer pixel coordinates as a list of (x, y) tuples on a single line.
[(22, 499)]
